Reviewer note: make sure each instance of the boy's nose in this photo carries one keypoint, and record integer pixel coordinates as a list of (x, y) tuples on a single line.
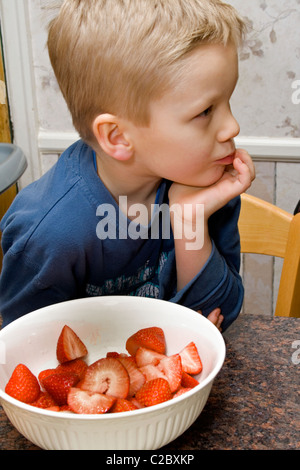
[(229, 129)]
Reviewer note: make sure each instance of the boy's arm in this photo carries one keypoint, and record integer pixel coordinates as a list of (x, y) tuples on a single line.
[(233, 183), (208, 278)]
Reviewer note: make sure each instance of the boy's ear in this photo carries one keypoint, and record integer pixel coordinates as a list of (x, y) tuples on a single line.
[(113, 140)]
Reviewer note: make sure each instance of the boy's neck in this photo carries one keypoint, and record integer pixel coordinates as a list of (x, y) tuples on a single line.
[(122, 179)]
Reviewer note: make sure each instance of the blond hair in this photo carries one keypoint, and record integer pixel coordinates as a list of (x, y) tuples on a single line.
[(114, 56)]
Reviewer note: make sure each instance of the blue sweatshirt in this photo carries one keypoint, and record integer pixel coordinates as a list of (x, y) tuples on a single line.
[(64, 238)]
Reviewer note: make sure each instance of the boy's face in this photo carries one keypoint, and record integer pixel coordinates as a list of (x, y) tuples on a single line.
[(190, 137)]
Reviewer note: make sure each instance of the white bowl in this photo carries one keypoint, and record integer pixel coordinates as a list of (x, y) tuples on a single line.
[(104, 324)]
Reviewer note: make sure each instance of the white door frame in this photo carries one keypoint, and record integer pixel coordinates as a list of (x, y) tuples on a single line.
[(17, 49)]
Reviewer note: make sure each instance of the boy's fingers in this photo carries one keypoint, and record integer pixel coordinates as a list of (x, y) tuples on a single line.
[(215, 317)]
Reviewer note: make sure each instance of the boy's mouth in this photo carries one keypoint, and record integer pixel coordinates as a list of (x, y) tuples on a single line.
[(226, 160)]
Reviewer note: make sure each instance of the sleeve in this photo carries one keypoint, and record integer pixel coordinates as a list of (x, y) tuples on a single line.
[(218, 284), (23, 288), (40, 267)]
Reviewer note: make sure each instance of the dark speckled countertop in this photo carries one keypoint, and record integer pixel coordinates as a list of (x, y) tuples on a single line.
[(255, 400)]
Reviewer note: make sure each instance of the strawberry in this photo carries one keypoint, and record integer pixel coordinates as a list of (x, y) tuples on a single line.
[(69, 346), (190, 359), (150, 338), (121, 404), (152, 372), (153, 392), (85, 402), (181, 391), (172, 368), (112, 354), (23, 385), (187, 381), (53, 408), (136, 377), (65, 408), (135, 402), (59, 384), (44, 401), (107, 376), (146, 356), (45, 373), (78, 366)]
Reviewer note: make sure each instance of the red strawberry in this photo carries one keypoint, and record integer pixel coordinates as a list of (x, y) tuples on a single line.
[(135, 402), (121, 404), (152, 372), (53, 408), (23, 385), (69, 346), (59, 384), (181, 391), (65, 408), (172, 368), (113, 354), (154, 392), (107, 376), (44, 401), (190, 359), (136, 377), (150, 338), (187, 381), (85, 402), (146, 356), (77, 366), (45, 373)]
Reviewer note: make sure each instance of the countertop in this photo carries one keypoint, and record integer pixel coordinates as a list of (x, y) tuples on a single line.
[(254, 402)]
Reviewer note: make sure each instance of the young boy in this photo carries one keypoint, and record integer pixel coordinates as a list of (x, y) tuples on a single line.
[(148, 84)]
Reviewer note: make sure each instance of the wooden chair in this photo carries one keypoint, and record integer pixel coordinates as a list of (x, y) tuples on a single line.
[(269, 230)]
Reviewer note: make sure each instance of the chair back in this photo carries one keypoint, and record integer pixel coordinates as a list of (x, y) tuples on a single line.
[(268, 230)]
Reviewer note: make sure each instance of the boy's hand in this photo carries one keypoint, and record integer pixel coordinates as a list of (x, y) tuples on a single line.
[(236, 179), (215, 317)]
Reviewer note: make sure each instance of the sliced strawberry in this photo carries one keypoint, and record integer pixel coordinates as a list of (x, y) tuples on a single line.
[(136, 377), (45, 373), (107, 376), (150, 338), (44, 401), (69, 346), (135, 402), (146, 356), (121, 404), (59, 384), (152, 372), (65, 408), (85, 402), (113, 354), (172, 368), (78, 366), (53, 408), (181, 391), (187, 381), (190, 359), (23, 385), (153, 392)]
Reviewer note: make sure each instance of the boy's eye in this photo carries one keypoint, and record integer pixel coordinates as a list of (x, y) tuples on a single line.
[(205, 113)]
